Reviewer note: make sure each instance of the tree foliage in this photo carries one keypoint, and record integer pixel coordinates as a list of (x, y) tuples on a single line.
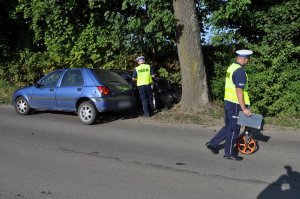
[(37, 36), (271, 30), (99, 33)]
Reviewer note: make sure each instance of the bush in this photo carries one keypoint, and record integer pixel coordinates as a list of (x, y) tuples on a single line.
[(274, 78), (6, 90)]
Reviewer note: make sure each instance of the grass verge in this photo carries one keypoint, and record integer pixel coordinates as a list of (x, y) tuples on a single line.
[(6, 92), (283, 121), (215, 116)]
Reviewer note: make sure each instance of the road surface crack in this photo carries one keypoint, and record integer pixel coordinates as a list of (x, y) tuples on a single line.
[(169, 168)]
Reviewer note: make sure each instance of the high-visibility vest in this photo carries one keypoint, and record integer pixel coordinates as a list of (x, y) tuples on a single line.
[(230, 89), (143, 75)]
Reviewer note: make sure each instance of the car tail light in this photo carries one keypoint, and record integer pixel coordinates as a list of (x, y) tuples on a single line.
[(104, 90)]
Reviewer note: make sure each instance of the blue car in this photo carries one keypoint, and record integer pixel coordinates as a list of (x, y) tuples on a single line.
[(85, 91)]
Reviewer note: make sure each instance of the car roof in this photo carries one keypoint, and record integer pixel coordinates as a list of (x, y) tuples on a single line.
[(80, 69)]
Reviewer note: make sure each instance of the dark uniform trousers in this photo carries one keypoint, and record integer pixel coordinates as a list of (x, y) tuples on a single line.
[(230, 131), (147, 99)]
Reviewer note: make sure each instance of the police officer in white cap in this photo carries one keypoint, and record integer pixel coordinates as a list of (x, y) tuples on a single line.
[(236, 99), (143, 74)]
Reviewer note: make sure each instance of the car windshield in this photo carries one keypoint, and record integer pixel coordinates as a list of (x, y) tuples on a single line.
[(51, 79), (108, 77)]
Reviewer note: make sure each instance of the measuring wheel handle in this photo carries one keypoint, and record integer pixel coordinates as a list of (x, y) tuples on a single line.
[(246, 144)]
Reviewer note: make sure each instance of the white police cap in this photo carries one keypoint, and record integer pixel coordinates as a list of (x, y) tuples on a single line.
[(244, 53), (140, 57)]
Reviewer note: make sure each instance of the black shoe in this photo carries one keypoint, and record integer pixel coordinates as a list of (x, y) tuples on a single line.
[(237, 158), (214, 150)]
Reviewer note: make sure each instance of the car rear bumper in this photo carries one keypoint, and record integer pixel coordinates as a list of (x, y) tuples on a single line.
[(114, 103)]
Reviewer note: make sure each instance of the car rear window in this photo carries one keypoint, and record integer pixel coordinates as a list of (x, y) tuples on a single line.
[(123, 74), (108, 77)]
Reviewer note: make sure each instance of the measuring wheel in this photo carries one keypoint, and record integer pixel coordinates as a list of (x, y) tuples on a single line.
[(246, 145)]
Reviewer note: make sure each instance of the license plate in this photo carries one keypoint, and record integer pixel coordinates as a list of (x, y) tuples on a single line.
[(124, 104)]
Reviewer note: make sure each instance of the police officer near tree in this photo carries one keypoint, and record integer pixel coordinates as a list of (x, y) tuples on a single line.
[(236, 99), (143, 75)]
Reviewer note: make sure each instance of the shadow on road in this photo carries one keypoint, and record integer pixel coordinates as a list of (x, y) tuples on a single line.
[(104, 117), (258, 136), (113, 116), (286, 186)]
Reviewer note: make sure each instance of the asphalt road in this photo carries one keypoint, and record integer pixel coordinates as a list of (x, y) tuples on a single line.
[(54, 156)]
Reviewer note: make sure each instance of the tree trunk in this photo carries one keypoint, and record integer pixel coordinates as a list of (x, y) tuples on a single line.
[(195, 96)]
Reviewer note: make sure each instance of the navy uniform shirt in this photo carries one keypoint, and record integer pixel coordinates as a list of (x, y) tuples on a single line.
[(239, 78)]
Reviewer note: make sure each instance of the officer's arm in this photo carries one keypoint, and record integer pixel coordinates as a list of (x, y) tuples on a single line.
[(134, 75), (152, 72), (239, 79), (240, 96)]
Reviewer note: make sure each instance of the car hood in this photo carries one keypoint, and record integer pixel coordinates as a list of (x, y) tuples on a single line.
[(23, 91)]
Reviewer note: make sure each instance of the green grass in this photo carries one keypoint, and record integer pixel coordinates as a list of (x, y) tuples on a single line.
[(211, 117), (215, 116), (283, 121), (6, 92)]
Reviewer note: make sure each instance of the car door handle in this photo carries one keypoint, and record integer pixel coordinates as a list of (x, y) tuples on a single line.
[(51, 89), (79, 89)]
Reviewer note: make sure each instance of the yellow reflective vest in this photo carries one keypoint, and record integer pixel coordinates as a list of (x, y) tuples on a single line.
[(230, 89), (143, 75)]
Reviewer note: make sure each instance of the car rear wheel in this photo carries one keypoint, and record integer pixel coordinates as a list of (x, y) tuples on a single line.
[(87, 112), (22, 107)]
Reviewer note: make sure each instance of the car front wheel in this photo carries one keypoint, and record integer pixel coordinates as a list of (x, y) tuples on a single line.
[(87, 112), (22, 107)]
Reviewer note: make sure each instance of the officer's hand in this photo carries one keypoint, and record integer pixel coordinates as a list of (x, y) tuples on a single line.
[(247, 112)]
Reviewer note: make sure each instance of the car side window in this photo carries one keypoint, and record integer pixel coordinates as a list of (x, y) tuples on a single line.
[(51, 79), (72, 78)]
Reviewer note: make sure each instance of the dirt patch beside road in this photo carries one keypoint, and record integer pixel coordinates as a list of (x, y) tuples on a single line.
[(211, 120)]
